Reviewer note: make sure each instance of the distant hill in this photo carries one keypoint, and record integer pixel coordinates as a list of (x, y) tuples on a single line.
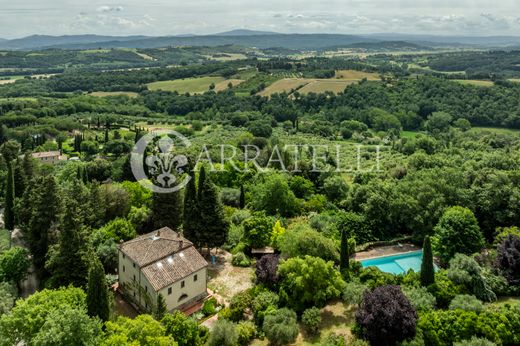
[(288, 41), (260, 39), (45, 41), (245, 32)]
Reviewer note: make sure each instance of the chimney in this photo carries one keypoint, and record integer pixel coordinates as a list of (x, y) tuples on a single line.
[(180, 244), (158, 234)]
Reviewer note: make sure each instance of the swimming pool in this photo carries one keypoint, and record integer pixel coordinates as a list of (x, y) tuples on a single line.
[(396, 264)]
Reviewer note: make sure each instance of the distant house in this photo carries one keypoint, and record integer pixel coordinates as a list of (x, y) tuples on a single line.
[(162, 262), (51, 157)]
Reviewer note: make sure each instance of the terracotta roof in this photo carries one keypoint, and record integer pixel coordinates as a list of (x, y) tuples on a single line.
[(164, 256), (46, 154), (173, 268)]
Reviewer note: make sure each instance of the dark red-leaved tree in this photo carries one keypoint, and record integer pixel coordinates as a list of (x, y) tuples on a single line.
[(508, 258), (386, 316), (266, 268)]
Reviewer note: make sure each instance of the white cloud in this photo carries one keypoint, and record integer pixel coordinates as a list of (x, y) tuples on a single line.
[(105, 9)]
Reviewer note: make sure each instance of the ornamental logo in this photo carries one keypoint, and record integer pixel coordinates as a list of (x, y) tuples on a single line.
[(155, 164)]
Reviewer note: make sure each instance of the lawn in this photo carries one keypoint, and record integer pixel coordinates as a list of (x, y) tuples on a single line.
[(481, 83), (188, 85), (224, 84)]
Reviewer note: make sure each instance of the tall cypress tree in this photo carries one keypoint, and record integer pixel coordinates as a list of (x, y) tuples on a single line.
[(191, 214), (69, 260), (9, 198), (167, 209), (202, 179), (344, 255), (427, 269), (160, 308), (214, 227), (242, 200), (97, 292), (39, 217)]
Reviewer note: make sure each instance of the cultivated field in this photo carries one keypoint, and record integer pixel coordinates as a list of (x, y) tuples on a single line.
[(482, 83), (356, 75), (188, 85), (287, 84), (226, 56), (224, 84), (114, 93), (322, 85)]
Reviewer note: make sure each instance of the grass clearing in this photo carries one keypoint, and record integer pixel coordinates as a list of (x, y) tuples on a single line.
[(356, 75), (514, 80), (4, 240), (130, 94), (188, 85), (480, 83), (226, 56), (285, 85), (322, 85), (224, 84)]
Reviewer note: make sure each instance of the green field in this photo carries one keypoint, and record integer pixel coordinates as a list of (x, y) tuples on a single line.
[(188, 85), (114, 93), (481, 83)]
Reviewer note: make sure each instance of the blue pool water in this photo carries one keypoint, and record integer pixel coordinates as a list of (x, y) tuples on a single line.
[(396, 264)]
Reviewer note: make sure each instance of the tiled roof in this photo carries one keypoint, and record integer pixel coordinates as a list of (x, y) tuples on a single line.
[(46, 154), (164, 256), (173, 268)]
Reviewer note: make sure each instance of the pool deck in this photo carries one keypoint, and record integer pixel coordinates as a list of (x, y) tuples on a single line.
[(385, 251)]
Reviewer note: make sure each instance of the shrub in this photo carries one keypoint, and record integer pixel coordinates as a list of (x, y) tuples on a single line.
[(334, 340), (264, 303), (466, 302), (373, 277), (474, 341), (266, 270), (308, 282), (386, 316), (508, 258), (353, 292), (420, 298), (311, 319), (464, 270), (246, 331), (209, 307), (224, 333), (303, 241), (240, 260), (280, 327), (444, 290)]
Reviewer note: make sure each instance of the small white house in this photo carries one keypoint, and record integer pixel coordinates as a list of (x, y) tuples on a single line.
[(162, 262)]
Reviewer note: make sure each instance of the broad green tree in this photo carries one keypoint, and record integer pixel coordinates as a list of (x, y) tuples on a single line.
[(457, 232)]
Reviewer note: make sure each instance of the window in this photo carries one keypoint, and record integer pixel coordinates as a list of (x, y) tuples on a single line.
[(184, 296), (134, 277), (124, 256), (146, 288), (134, 265), (123, 269), (169, 290), (195, 277), (182, 284)]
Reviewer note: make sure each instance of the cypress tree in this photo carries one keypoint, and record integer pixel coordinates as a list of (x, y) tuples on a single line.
[(167, 209), (191, 212), (344, 256), (427, 269), (242, 200), (202, 179), (40, 215), (20, 180), (97, 292), (160, 308), (214, 227), (69, 260), (9, 199)]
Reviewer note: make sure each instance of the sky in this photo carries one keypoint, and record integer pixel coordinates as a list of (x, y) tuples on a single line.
[(20, 18)]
